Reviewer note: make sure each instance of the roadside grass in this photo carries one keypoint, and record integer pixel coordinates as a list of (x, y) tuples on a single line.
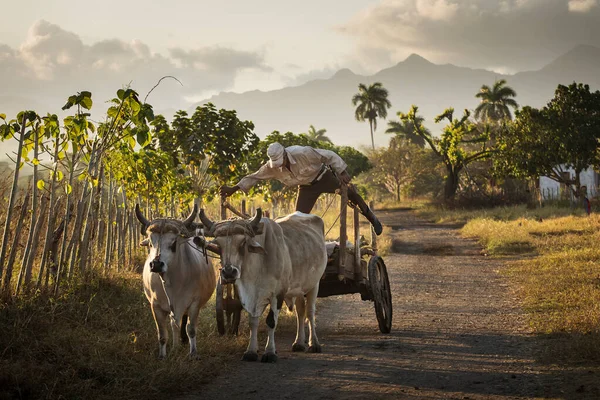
[(511, 213), (98, 340), (557, 276)]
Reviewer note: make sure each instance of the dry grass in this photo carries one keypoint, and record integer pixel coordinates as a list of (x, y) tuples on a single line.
[(560, 284), (441, 215), (98, 340)]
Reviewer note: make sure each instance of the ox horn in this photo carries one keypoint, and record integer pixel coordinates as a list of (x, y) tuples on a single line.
[(256, 220), (205, 221), (141, 217), (188, 221)]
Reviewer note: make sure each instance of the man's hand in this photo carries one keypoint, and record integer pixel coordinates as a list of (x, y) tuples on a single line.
[(228, 190), (345, 178)]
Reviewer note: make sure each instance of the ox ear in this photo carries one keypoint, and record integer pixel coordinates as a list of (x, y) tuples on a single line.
[(145, 242), (255, 247), (260, 228)]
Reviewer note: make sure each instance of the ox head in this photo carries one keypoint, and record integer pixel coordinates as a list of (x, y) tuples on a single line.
[(162, 236), (233, 240)]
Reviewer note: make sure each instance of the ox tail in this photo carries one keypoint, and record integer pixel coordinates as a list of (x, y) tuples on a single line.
[(183, 332)]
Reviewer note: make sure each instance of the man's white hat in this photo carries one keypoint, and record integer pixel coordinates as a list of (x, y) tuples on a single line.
[(275, 152)]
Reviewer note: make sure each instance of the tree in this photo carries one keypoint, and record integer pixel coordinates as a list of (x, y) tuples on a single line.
[(372, 104), (212, 144), (392, 166), (564, 134), (317, 135), (460, 144), (405, 130), (495, 102)]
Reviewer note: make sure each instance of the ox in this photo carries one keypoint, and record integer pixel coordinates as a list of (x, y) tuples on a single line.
[(178, 279), (272, 261)]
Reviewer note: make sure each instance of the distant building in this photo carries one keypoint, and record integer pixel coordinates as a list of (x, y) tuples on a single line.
[(552, 190)]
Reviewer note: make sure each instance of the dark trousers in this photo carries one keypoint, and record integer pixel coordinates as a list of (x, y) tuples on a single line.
[(329, 183)]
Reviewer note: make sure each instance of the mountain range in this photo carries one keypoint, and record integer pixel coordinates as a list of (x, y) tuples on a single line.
[(326, 103)]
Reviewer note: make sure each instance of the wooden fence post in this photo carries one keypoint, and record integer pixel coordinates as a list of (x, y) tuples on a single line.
[(343, 232)]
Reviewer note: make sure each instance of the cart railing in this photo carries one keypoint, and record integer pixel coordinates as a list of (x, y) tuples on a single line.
[(358, 273)]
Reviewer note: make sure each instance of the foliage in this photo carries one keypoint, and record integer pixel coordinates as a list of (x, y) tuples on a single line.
[(317, 135), (226, 140), (563, 134), (151, 174), (372, 103), (398, 167), (460, 144), (405, 130), (495, 102)]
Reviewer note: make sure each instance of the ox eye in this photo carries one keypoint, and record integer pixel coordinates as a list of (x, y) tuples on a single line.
[(173, 246), (243, 247)]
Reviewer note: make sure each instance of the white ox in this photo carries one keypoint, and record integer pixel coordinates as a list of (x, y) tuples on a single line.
[(178, 279), (272, 261)]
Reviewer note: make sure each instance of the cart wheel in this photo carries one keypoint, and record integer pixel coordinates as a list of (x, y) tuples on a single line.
[(382, 295), (219, 308)]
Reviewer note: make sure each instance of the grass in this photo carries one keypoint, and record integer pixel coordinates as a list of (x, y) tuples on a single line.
[(512, 213), (98, 340), (557, 276)]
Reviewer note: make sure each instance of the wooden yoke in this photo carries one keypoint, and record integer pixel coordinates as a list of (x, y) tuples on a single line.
[(343, 232)]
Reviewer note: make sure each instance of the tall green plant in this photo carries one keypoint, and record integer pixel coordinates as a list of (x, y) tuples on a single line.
[(372, 103)]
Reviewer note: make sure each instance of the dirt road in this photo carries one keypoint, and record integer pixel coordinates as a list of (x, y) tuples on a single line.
[(458, 333)]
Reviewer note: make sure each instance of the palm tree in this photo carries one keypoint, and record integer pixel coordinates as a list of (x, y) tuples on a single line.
[(372, 104), (318, 135), (406, 130), (495, 102)]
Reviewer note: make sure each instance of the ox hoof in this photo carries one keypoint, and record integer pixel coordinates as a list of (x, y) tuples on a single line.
[(269, 358), (250, 356), (315, 348), (193, 356), (298, 348)]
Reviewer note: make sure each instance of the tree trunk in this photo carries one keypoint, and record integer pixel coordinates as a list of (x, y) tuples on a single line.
[(372, 139), (15, 245), (451, 184), (72, 249), (109, 225), (34, 244), (51, 213), (34, 210), (13, 196)]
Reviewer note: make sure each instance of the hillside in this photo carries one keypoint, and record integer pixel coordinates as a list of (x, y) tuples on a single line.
[(326, 103)]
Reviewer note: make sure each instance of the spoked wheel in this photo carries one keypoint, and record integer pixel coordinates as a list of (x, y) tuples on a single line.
[(382, 294), (229, 309)]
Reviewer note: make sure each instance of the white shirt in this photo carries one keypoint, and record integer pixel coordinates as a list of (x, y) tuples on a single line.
[(305, 165)]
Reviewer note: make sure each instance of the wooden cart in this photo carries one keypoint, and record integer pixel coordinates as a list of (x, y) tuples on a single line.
[(348, 271)]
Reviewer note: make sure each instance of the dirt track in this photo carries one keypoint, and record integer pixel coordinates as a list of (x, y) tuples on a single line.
[(458, 333)]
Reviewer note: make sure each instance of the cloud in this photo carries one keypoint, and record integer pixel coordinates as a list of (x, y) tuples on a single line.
[(436, 10), (516, 34), (52, 64), (582, 5)]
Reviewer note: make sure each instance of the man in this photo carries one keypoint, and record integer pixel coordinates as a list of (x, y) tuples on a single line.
[(313, 170)]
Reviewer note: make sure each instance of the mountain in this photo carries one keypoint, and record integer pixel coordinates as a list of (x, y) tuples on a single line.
[(326, 103)]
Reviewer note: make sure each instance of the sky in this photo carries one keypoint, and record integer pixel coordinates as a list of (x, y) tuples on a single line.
[(52, 49)]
